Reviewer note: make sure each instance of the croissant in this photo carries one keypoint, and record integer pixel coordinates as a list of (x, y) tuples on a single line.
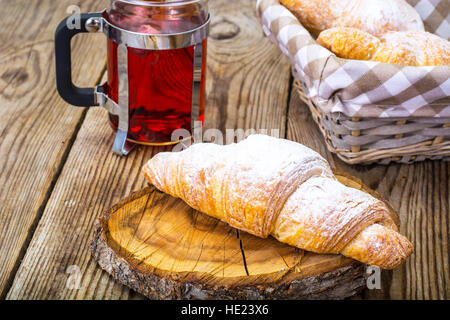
[(270, 186), (373, 16), (410, 48)]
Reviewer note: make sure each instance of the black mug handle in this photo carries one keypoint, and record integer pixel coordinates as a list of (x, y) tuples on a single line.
[(82, 97)]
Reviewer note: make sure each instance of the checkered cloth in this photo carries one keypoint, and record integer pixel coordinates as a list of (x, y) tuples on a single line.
[(359, 88)]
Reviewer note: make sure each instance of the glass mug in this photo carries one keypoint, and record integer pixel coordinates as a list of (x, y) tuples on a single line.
[(156, 68)]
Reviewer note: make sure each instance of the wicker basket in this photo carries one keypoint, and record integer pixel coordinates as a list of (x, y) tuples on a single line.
[(348, 137), (364, 138)]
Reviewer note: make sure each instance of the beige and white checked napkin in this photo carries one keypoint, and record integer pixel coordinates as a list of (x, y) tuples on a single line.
[(359, 88)]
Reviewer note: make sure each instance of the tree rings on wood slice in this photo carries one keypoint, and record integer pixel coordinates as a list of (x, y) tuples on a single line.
[(160, 247)]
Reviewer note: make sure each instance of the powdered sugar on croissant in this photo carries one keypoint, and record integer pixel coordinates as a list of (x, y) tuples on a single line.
[(269, 186)]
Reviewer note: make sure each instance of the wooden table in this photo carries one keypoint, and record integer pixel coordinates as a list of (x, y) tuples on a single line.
[(57, 172)]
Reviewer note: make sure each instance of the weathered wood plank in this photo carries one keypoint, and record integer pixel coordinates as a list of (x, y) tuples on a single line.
[(420, 193), (247, 87), (36, 126)]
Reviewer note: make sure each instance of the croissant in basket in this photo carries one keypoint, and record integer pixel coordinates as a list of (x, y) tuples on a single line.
[(374, 16), (269, 186), (409, 48)]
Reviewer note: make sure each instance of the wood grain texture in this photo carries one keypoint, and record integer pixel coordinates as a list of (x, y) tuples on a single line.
[(162, 248), (247, 85), (36, 126), (420, 193)]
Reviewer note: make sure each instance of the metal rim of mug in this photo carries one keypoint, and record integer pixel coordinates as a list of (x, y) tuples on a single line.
[(155, 41)]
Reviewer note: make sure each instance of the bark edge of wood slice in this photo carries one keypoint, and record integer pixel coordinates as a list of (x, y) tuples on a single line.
[(163, 249)]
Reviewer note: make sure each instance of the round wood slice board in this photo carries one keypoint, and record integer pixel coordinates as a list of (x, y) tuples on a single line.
[(160, 247)]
